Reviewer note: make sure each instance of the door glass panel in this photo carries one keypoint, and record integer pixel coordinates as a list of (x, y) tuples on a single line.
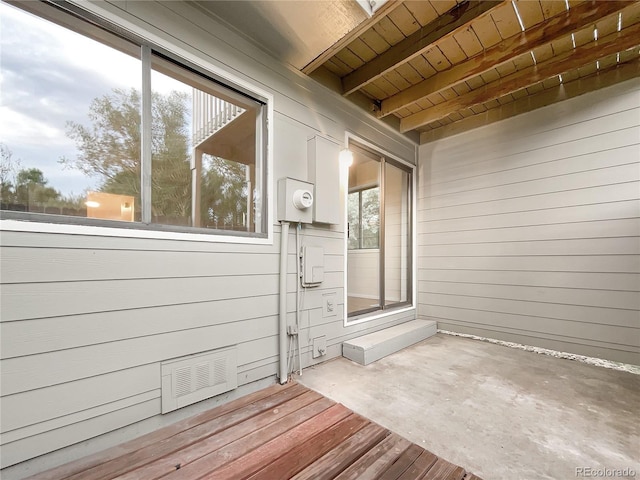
[(363, 258), (397, 234)]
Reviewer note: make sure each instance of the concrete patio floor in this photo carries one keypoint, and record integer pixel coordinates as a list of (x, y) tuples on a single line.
[(496, 411)]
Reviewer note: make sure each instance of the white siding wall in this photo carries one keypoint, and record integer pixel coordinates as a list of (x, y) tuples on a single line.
[(529, 229), (87, 320)]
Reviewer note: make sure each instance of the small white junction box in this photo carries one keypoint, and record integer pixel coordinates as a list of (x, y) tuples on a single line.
[(312, 266)]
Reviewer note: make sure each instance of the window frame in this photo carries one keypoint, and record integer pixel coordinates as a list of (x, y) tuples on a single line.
[(113, 30)]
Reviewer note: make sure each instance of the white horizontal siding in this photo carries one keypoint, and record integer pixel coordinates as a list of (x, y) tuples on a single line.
[(86, 320), (529, 229)]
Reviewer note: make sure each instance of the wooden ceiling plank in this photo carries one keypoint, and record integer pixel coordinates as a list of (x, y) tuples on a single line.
[(551, 8), (362, 50), (450, 48), (543, 53), (386, 86), (588, 69), (443, 6), (424, 103), (422, 11), (374, 91), (530, 12), (509, 49), (437, 60), (562, 45), (506, 21), (423, 67), (475, 82), (486, 31), (397, 80), (349, 37), (533, 89), (519, 94), (406, 23), (547, 97), (551, 82), (631, 15), (570, 76), (586, 54), (461, 88), (490, 76), (468, 41), (338, 65), (374, 41), (492, 104), (607, 26), (449, 94), (506, 69), (409, 73), (418, 42), (349, 58), (388, 30)]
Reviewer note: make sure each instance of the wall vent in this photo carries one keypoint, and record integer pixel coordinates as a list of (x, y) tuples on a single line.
[(190, 379)]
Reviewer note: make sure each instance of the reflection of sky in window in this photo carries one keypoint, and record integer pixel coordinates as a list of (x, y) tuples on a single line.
[(49, 76)]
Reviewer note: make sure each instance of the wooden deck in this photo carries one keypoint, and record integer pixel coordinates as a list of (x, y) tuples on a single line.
[(277, 433)]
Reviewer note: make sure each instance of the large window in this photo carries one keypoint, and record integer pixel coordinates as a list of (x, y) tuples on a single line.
[(379, 233), (105, 130)]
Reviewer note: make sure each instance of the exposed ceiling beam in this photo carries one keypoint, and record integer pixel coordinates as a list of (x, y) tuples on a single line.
[(602, 79), (383, 11), (417, 42), (508, 49), (578, 57)]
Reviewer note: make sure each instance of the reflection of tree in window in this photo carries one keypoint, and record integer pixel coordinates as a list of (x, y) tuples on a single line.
[(364, 218), (224, 193), (110, 149)]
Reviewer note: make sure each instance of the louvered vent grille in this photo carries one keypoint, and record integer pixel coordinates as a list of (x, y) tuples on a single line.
[(202, 375), (190, 379), (219, 371), (183, 381)]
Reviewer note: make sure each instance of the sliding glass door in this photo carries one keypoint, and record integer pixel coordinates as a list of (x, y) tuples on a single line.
[(379, 233)]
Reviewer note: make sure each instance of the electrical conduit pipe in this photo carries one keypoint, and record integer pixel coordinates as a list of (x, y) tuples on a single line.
[(282, 321)]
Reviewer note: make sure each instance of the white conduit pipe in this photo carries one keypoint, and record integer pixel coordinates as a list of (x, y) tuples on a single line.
[(298, 279), (282, 322)]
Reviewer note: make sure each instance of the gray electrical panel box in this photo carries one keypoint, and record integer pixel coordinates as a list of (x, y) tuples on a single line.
[(295, 201), (324, 173), (312, 266)]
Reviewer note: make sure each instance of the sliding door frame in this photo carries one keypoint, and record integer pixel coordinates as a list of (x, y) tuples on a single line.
[(410, 304)]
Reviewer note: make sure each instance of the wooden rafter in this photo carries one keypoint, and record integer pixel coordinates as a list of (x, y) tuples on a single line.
[(596, 81), (418, 42), (381, 13), (580, 56), (510, 48)]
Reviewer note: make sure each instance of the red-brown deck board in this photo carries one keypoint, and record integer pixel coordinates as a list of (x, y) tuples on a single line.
[(281, 432)]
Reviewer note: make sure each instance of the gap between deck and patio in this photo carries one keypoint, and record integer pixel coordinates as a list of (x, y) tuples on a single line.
[(284, 431)]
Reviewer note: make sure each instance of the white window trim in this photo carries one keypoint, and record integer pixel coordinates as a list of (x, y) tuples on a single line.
[(186, 53), (367, 317)]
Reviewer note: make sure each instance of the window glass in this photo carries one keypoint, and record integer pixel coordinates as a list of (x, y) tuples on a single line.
[(71, 133), (69, 122), (364, 218)]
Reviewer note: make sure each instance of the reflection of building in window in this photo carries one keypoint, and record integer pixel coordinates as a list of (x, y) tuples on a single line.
[(224, 161), (109, 206)]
